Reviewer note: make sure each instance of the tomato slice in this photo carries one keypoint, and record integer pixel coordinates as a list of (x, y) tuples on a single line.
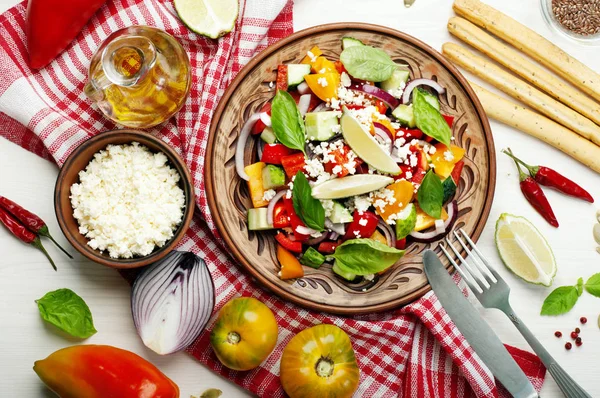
[(295, 221), (401, 244), (328, 247), (273, 153), (259, 126), (292, 164), (280, 216), (362, 226), (291, 245), (282, 78), (449, 119)]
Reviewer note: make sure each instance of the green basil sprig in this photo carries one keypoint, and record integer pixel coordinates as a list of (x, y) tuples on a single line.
[(368, 63), (287, 122), (67, 311), (429, 120), (365, 256), (309, 209), (560, 301), (592, 286), (431, 195)]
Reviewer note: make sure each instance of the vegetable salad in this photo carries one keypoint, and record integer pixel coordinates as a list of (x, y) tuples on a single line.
[(354, 159)]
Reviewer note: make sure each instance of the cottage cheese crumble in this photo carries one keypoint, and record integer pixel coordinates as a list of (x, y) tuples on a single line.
[(127, 201)]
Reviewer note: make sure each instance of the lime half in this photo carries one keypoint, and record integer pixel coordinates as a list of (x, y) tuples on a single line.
[(211, 18), (524, 250)]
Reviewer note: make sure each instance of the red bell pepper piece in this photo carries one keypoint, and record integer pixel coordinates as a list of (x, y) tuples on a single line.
[(401, 244), (292, 164), (280, 216), (259, 126), (53, 24), (357, 229), (418, 176), (354, 106), (288, 244), (409, 134), (272, 153), (295, 221), (339, 66), (328, 247), (449, 119), (381, 106), (282, 78), (457, 170), (99, 371)]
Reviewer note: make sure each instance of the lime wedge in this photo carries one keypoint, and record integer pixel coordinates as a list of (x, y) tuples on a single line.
[(350, 186), (524, 250), (211, 18), (365, 146)]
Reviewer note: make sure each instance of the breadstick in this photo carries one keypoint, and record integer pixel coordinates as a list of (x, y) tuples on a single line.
[(539, 127), (530, 71), (531, 43), (522, 91)]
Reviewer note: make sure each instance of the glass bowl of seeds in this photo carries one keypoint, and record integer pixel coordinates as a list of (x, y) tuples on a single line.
[(576, 19)]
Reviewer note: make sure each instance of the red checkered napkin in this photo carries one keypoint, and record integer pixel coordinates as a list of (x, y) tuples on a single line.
[(412, 352)]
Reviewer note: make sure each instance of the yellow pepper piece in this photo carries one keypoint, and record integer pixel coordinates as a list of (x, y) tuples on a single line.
[(290, 266), (323, 65), (443, 164), (324, 85), (255, 185), (425, 221), (384, 121), (403, 193), (378, 237), (315, 51)]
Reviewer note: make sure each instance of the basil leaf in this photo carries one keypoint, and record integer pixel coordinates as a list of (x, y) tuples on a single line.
[(560, 301), (365, 256), (593, 285), (368, 63), (579, 286), (309, 209), (287, 122), (429, 120), (431, 195), (67, 311)]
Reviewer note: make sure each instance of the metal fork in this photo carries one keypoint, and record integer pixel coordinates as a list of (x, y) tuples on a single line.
[(492, 292)]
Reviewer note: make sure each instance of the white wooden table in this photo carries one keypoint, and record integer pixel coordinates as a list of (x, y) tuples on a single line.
[(25, 275)]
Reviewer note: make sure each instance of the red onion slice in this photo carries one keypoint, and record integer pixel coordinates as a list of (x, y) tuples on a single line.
[(390, 235), (428, 237), (322, 107), (272, 203), (382, 136), (304, 103), (303, 88), (265, 118), (339, 229), (171, 302), (241, 145), (301, 229), (421, 82), (380, 94), (316, 241)]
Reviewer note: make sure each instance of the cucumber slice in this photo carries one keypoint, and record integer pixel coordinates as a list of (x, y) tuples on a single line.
[(346, 275), (273, 177), (296, 73), (351, 42), (431, 99), (268, 135), (257, 219), (339, 214), (397, 80), (405, 224), (405, 115), (321, 126)]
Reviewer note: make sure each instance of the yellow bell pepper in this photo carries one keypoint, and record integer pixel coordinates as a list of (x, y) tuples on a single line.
[(323, 65), (315, 51), (385, 122), (324, 85), (378, 237), (255, 185), (403, 193), (443, 166), (425, 221), (290, 266)]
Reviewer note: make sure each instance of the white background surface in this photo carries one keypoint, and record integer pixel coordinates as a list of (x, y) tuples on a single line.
[(25, 275)]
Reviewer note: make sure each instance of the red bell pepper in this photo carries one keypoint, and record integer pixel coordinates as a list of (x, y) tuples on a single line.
[(288, 244), (100, 371), (53, 24), (341, 159), (295, 221), (328, 247), (401, 244), (272, 153), (418, 176), (457, 170), (381, 106), (354, 106), (280, 216), (449, 119), (282, 78), (357, 229), (409, 134), (259, 126), (339, 66), (292, 164)]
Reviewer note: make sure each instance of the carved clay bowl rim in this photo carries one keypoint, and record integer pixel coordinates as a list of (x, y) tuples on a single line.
[(313, 31)]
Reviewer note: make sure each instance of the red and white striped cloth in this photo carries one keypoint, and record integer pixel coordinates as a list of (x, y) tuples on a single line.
[(413, 352)]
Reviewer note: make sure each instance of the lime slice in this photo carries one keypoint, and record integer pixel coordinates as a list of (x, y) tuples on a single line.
[(365, 146), (212, 18), (524, 250), (350, 186), (406, 221)]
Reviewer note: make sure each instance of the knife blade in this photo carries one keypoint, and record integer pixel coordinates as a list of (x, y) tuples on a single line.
[(476, 331)]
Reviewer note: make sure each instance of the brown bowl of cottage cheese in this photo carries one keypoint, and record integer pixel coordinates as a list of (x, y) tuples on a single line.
[(124, 199)]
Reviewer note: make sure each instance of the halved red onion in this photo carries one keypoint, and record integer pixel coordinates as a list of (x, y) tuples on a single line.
[(171, 302), (304, 103), (316, 241), (301, 229), (303, 88), (265, 118), (334, 235), (272, 203), (382, 136), (420, 82), (337, 228), (439, 226), (241, 145), (390, 235), (383, 128), (260, 149), (380, 94), (428, 237)]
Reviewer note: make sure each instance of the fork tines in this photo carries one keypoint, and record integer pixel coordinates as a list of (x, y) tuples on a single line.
[(477, 272)]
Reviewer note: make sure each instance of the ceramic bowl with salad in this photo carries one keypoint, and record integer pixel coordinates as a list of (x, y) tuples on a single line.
[(352, 164)]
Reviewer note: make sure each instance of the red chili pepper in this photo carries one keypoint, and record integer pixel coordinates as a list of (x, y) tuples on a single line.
[(536, 197), (363, 225), (291, 245), (272, 153), (259, 126), (282, 78), (280, 216), (23, 233), (292, 164), (328, 247), (29, 220), (551, 178)]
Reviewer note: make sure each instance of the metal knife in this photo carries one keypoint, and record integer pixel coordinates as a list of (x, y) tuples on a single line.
[(476, 331)]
